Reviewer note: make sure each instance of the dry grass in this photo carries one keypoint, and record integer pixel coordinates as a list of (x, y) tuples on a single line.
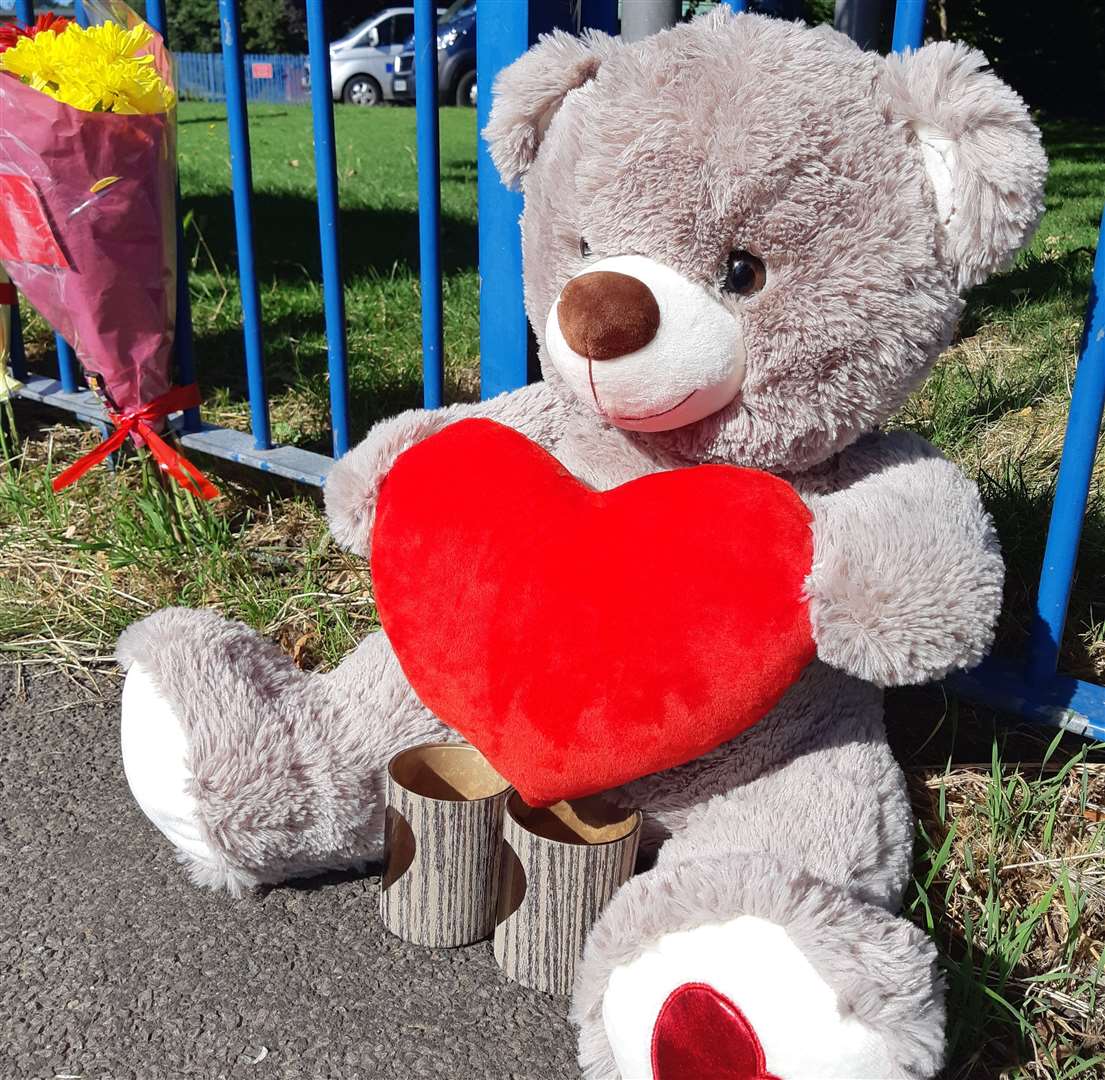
[(1011, 883), (74, 571)]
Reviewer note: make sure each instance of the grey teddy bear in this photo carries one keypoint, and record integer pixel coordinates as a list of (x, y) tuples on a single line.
[(767, 232)]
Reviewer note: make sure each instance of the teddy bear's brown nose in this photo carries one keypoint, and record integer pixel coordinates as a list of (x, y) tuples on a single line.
[(604, 315)]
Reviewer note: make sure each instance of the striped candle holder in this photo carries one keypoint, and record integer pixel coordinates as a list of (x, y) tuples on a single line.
[(443, 844), (560, 867)]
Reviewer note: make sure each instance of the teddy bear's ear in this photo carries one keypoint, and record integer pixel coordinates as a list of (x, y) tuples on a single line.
[(527, 94), (981, 150)]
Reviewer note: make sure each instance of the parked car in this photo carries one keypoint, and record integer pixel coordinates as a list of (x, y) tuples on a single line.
[(456, 58), (360, 62)]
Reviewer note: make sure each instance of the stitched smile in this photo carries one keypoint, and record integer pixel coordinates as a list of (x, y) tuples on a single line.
[(652, 416)]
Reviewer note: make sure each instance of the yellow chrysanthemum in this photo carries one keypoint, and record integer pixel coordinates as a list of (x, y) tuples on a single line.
[(92, 68)]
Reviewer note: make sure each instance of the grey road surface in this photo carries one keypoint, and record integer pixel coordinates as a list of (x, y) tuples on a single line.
[(112, 966)]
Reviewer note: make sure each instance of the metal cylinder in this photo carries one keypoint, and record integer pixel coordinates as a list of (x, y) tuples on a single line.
[(329, 223), (861, 20), (241, 178), (429, 202), (909, 25), (643, 17)]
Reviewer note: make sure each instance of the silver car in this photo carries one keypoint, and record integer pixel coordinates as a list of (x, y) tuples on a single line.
[(360, 62)]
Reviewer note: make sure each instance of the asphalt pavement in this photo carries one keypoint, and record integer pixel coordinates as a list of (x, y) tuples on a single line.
[(113, 966)]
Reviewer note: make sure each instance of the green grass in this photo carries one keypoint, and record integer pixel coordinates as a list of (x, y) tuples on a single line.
[(1010, 874)]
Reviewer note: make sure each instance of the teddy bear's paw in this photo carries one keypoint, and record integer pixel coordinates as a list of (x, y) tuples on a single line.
[(155, 760), (733, 1000)]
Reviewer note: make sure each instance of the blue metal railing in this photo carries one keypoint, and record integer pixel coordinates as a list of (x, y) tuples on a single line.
[(504, 330), (1034, 689), (183, 345), (241, 183), (1072, 487), (429, 203), (326, 180), (275, 78), (67, 361), (505, 31)]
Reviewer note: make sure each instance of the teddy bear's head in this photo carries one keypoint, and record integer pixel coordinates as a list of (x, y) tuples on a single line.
[(747, 240)]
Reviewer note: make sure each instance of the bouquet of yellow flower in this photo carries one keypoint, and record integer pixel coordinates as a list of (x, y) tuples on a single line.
[(88, 211)]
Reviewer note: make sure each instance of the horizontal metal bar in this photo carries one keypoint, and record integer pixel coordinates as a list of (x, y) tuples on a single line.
[(83, 404), (1061, 701), (291, 462)]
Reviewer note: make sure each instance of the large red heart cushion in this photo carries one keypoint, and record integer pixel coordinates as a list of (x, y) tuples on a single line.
[(582, 639)]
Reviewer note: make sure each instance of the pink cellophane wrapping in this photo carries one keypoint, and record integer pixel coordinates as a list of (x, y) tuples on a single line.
[(115, 303)]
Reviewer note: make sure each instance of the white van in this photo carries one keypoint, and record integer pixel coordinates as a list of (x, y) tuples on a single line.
[(360, 62)]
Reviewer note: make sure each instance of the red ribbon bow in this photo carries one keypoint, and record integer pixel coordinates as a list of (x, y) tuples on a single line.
[(138, 421)]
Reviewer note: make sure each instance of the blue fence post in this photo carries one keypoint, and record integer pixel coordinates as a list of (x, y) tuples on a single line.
[(909, 25), (1072, 487), (67, 362), (599, 15), (155, 16), (242, 183), (326, 178), (502, 31), (429, 202), (183, 348)]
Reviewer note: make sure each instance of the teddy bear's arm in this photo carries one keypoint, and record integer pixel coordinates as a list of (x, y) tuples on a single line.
[(907, 576), (354, 482)]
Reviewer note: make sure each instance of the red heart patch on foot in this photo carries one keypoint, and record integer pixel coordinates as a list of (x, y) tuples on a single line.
[(582, 639), (701, 1035)]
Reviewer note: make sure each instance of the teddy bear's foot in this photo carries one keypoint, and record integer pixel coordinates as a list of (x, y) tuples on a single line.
[(253, 769), (735, 967), (738, 994), (155, 760)]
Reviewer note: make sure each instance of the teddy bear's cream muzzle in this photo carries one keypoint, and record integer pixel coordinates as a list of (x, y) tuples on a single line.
[(647, 348)]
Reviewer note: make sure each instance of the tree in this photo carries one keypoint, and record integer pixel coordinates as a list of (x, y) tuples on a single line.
[(272, 26), (194, 25), (268, 26), (1052, 54)]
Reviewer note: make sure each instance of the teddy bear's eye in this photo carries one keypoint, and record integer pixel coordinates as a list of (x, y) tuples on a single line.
[(584, 247), (745, 274)]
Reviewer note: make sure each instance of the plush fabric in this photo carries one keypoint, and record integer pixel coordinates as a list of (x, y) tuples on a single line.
[(742, 132), (873, 190), (605, 314), (285, 772), (638, 634)]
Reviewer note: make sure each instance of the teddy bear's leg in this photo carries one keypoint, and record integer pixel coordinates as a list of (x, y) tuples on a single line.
[(765, 941), (255, 770)]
